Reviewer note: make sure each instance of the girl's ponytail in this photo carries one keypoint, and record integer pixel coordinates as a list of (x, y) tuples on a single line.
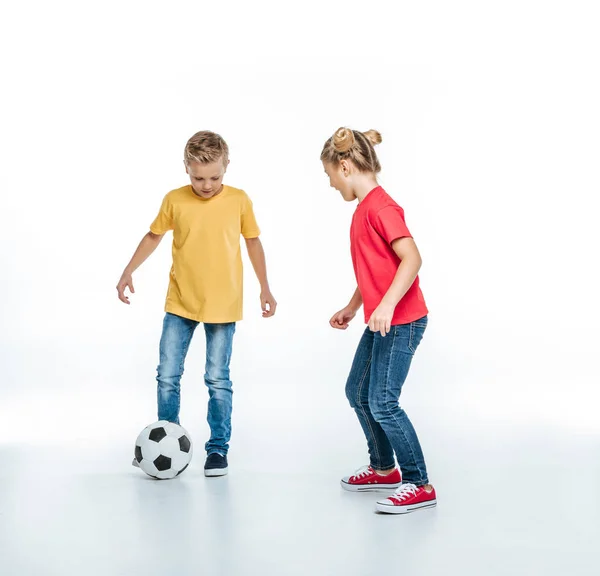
[(347, 144)]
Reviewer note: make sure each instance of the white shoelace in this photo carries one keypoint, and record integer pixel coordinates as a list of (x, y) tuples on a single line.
[(362, 471), (404, 491)]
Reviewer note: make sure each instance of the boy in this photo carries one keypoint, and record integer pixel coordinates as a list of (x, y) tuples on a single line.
[(205, 285)]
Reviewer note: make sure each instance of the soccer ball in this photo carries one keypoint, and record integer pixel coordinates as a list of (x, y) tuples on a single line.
[(163, 450)]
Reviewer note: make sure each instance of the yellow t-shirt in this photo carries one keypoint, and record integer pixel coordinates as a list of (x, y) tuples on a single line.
[(206, 280)]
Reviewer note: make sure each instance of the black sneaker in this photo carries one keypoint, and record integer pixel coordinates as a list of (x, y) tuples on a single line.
[(216, 465)]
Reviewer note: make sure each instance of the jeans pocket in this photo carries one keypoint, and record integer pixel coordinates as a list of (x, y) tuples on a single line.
[(417, 330)]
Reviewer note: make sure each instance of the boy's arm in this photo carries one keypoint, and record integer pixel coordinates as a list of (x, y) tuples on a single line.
[(148, 244), (257, 257)]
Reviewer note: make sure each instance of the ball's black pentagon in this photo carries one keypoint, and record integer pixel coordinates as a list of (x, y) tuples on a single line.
[(184, 444), (138, 454), (162, 463), (178, 473), (157, 434)]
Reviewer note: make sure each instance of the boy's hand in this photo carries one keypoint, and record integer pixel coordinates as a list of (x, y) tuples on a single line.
[(381, 319), (267, 303), (125, 282), (341, 319)]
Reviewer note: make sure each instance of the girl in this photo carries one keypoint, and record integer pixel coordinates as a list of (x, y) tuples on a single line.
[(386, 262)]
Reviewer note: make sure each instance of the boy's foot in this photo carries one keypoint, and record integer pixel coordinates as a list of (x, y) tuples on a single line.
[(216, 465), (408, 498), (365, 479), (135, 463)]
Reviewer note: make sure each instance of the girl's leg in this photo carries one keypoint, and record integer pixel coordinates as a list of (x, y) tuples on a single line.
[(392, 356), (357, 392)]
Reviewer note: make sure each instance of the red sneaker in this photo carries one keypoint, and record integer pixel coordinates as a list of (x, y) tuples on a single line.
[(407, 498), (365, 479)]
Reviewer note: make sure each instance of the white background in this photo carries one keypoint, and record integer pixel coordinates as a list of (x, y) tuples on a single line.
[(490, 122)]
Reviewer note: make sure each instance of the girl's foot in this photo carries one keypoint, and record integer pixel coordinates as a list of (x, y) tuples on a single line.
[(365, 479), (408, 498)]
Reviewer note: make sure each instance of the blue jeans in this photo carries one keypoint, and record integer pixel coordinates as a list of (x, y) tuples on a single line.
[(174, 344), (378, 372)]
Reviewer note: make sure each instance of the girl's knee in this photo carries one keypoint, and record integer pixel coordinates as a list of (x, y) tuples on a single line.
[(353, 396), (383, 410)]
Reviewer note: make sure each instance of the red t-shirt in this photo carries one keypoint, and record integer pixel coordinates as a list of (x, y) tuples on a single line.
[(376, 223)]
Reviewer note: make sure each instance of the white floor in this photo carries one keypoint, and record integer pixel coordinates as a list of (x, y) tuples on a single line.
[(510, 503)]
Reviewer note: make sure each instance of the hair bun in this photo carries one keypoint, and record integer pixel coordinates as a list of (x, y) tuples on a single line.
[(343, 140), (373, 136)]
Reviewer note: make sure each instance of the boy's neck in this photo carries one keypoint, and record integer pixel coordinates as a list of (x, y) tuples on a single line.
[(211, 197)]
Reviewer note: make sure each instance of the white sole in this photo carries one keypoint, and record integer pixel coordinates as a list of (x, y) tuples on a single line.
[(391, 509), (216, 472), (369, 487)]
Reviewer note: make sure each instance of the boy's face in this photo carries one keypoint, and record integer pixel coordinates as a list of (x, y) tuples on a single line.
[(338, 181), (206, 179)]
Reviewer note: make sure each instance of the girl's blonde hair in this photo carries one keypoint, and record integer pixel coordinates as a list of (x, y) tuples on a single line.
[(205, 147), (347, 144)]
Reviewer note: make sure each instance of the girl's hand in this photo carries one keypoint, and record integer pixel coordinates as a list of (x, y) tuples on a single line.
[(381, 319), (341, 319)]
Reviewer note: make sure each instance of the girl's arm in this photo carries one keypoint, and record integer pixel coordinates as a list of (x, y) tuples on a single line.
[(410, 264), (356, 300), (341, 319), (407, 251)]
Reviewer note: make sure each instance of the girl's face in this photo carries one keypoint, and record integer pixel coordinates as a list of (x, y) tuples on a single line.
[(340, 180)]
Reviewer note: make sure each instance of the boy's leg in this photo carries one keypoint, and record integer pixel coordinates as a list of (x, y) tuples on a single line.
[(174, 344), (357, 392), (219, 343), (392, 356)]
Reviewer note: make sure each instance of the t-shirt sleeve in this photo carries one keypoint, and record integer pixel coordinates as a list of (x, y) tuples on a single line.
[(390, 225), (250, 228), (164, 221)]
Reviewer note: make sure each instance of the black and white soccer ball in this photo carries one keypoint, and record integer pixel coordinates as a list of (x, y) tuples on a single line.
[(163, 450)]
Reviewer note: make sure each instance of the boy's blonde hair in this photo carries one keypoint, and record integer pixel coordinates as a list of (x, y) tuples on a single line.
[(347, 144), (205, 147)]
